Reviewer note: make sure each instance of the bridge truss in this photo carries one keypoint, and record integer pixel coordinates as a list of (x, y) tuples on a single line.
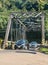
[(25, 22)]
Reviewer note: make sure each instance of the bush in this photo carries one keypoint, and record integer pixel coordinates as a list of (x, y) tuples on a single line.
[(1, 41), (44, 50)]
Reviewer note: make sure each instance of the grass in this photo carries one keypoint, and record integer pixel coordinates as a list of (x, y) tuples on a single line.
[(44, 50)]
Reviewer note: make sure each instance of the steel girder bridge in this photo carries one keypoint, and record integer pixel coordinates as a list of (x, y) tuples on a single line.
[(25, 22)]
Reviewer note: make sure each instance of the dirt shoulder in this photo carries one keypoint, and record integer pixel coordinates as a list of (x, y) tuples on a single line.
[(22, 58)]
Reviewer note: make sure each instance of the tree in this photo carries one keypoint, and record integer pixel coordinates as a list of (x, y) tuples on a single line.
[(36, 6), (45, 7), (28, 6), (18, 5)]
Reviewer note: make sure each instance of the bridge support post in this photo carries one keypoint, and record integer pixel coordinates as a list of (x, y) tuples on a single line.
[(7, 32), (43, 29)]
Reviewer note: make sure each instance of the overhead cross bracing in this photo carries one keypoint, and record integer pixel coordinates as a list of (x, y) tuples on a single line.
[(27, 19)]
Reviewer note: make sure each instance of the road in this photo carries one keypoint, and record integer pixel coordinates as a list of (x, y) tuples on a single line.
[(22, 57)]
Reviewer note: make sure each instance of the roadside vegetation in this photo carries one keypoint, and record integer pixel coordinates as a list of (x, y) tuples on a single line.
[(43, 50)]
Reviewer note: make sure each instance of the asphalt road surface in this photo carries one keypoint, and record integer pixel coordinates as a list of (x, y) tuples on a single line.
[(22, 57)]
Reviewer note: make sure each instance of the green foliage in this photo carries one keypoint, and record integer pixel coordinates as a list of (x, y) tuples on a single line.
[(8, 6), (43, 50), (28, 6), (36, 6), (1, 40), (19, 5), (3, 22), (45, 7)]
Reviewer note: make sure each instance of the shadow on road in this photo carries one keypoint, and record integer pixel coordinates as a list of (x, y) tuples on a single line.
[(26, 51), (18, 51)]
